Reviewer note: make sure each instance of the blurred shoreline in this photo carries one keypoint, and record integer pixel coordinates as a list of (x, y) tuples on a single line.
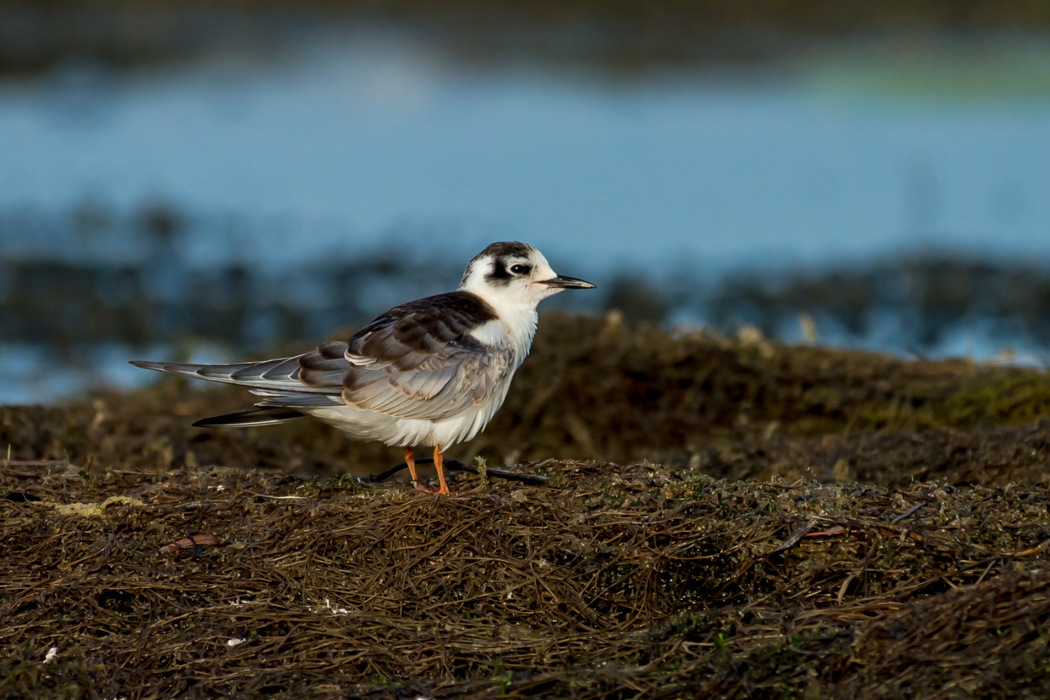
[(72, 312), (619, 37)]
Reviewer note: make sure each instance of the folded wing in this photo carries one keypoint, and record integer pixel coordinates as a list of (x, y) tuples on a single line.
[(418, 360)]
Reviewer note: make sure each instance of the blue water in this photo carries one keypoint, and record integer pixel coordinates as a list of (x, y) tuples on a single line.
[(344, 145)]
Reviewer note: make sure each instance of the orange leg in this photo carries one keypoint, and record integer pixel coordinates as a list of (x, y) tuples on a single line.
[(439, 464), (410, 460)]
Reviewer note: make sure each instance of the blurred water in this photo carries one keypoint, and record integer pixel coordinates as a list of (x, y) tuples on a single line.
[(375, 142), (345, 144)]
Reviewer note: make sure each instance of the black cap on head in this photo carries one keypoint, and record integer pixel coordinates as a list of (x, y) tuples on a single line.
[(499, 252), (504, 249)]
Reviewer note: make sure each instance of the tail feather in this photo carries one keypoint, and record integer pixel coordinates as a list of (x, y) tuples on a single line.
[(277, 380), (250, 417), (281, 374)]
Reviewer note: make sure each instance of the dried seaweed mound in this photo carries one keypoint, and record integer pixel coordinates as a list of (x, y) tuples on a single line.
[(643, 579), (594, 388), (809, 523)]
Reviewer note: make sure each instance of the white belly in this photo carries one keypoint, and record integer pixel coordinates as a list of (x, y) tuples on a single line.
[(407, 432)]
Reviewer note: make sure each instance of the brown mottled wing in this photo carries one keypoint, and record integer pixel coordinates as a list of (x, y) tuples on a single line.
[(415, 361)]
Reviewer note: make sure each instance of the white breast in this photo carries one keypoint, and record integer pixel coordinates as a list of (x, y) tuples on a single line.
[(515, 328), (492, 333)]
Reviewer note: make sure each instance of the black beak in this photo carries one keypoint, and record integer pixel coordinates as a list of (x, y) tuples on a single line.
[(564, 282)]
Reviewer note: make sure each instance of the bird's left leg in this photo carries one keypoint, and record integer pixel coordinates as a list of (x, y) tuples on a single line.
[(439, 464)]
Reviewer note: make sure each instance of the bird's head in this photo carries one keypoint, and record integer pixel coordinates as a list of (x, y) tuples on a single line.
[(514, 274)]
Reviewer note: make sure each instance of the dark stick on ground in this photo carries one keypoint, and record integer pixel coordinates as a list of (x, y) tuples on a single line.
[(453, 465)]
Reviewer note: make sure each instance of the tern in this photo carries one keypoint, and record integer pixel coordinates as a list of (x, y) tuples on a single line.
[(431, 372)]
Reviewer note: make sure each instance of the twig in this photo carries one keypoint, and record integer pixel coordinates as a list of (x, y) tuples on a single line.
[(794, 539), (844, 586), (906, 513), (831, 532), (989, 568), (34, 462), (457, 466), (1031, 550), (278, 498), (193, 541)]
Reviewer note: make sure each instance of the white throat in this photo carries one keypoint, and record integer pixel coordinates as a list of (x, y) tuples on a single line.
[(516, 322)]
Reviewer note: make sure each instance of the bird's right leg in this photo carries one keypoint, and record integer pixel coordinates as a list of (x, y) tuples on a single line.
[(410, 460)]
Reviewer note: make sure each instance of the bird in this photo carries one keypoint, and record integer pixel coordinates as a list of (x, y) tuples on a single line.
[(431, 372)]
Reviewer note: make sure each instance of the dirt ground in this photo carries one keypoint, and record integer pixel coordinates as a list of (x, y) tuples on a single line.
[(723, 517)]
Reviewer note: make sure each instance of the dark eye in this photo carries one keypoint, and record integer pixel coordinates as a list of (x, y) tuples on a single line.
[(520, 269)]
